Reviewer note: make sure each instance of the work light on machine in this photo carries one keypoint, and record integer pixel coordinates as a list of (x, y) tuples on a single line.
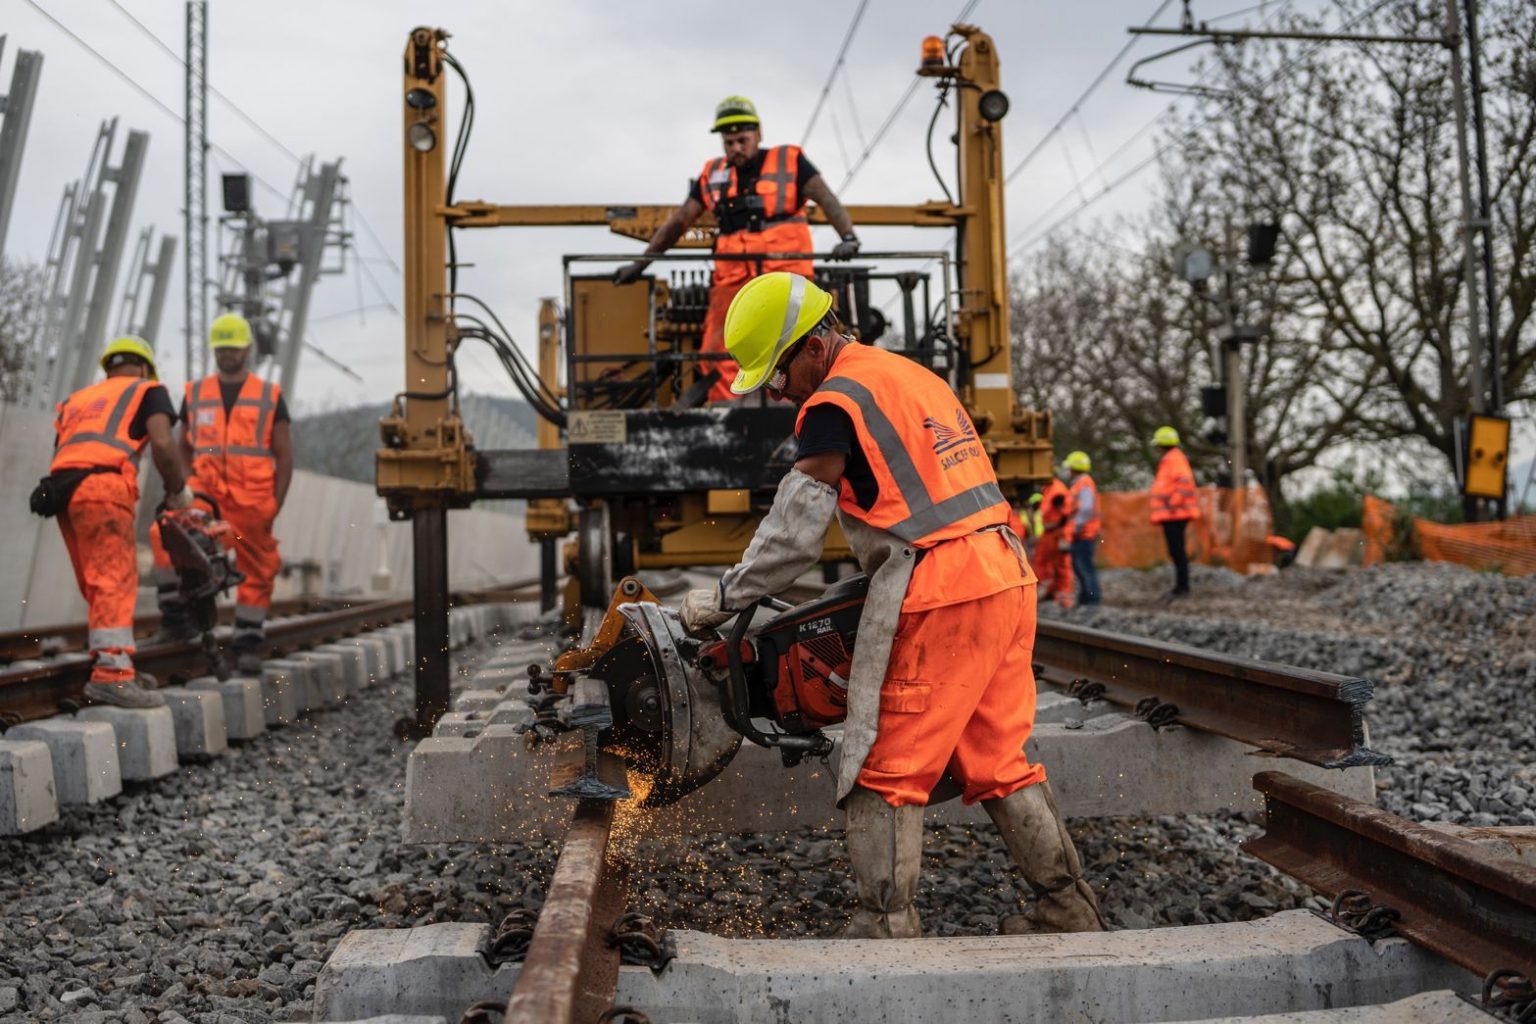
[(421, 137)]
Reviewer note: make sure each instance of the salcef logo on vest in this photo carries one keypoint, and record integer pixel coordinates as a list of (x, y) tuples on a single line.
[(958, 441)]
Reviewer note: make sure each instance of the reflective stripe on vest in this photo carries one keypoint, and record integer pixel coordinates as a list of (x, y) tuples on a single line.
[(113, 432), (718, 182), (216, 437), (925, 516)]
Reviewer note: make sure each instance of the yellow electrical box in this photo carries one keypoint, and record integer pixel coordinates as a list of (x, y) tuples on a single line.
[(1487, 457), (725, 502)]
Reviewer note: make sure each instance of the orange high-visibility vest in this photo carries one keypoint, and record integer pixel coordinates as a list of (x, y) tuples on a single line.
[(784, 225), (1053, 516), (232, 455), (92, 426), (1173, 491), (1089, 530), (936, 482)]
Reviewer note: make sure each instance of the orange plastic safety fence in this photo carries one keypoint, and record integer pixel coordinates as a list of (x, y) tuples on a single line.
[(1378, 521), (1132, 541), (1508, 547)]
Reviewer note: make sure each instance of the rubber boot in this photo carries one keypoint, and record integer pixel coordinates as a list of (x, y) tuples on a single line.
[(1038, 843), (885, 847), (176, 623)]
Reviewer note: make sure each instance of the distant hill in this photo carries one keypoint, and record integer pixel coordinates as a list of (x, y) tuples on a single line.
[(341, 442)]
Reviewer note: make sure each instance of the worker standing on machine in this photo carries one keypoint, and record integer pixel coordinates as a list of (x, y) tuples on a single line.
[(93, 487), (236, 435), (941, 686), (757, 195)]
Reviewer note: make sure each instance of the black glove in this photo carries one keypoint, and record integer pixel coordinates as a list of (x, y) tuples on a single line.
[(629, 273), (848, 248)]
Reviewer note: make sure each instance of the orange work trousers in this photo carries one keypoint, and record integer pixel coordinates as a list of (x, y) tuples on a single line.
[(98, 531), (1053, 567), (720, 296), (256, 555), (959, 694)]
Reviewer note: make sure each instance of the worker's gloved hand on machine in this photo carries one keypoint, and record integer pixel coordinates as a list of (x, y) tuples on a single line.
[(701, 610), (629, 273), (181, 499), (848, 248), (1063, 545)]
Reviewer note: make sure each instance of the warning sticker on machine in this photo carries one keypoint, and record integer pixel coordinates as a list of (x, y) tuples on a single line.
[(596, 426)]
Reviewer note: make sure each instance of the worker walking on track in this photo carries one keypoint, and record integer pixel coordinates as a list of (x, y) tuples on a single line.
[(1053, 561), (93, 487), (941, 695), (1175, 502), (236, 435), (757, 195), (1084, 527)]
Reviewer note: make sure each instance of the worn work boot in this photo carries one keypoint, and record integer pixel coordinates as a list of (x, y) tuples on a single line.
[(176, 624), (1038, 843), (885, 847), (129, 694)]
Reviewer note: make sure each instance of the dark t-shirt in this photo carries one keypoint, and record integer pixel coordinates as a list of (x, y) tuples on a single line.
[(826, 428), (156, 399), (230, 392), (747, 176)]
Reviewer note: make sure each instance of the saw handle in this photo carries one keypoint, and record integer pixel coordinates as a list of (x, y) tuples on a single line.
[(737, 703), (206, 499)]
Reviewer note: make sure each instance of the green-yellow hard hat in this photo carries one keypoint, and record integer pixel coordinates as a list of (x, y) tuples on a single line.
[(133, 345), (768, 315), (1079, 462), (733, 112), (229, 330), (1165, 437)]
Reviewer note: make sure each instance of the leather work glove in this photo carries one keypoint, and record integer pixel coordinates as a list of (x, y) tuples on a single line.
[(701, 610), (629, 273), (848, 248), (181, 499)]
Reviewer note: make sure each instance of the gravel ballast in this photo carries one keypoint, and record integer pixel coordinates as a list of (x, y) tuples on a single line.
[(216, 895)]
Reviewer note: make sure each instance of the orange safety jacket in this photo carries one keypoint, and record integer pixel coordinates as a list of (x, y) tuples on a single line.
[(232, 455), (1089, 530), (784, 227), (1173, 491), (1052, 515), (935, 482), (92, 427)]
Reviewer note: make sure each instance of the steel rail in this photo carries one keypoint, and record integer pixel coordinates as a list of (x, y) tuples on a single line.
[(54, 688), (1312, 716), (1449, 897), (571, 970)]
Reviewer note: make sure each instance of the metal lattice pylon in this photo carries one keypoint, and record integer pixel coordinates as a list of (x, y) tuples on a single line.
[(195, 201)]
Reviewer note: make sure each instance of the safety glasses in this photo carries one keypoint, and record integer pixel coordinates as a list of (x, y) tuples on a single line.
[(779, 379)]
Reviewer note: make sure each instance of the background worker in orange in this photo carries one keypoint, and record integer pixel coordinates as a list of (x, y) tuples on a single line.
[(1174, 503), (236, 435), (1083, 526), (758, 197), (1052, 561), (941, 688), (102, 431)]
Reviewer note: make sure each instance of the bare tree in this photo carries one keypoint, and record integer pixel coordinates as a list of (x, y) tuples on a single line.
[(22, 296)]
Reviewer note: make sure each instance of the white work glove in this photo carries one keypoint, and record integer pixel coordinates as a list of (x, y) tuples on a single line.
[(701, 610), (787, 542), (181, 499)]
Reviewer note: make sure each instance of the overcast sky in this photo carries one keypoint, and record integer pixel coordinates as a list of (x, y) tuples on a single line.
[(578, 102)]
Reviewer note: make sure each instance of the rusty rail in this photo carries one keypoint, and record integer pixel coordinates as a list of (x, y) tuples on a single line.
[(28, 694), (571, 970), (1447, 896), (1317, 717)]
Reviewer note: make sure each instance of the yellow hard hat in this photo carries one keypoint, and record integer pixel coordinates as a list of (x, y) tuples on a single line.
[(229, 330), (133, 345), (768, 315), (1165, 437), (734, 112), (1079, 462)]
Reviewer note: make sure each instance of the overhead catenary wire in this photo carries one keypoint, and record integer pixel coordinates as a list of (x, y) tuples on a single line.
[(837, 64), (1026, 241)]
